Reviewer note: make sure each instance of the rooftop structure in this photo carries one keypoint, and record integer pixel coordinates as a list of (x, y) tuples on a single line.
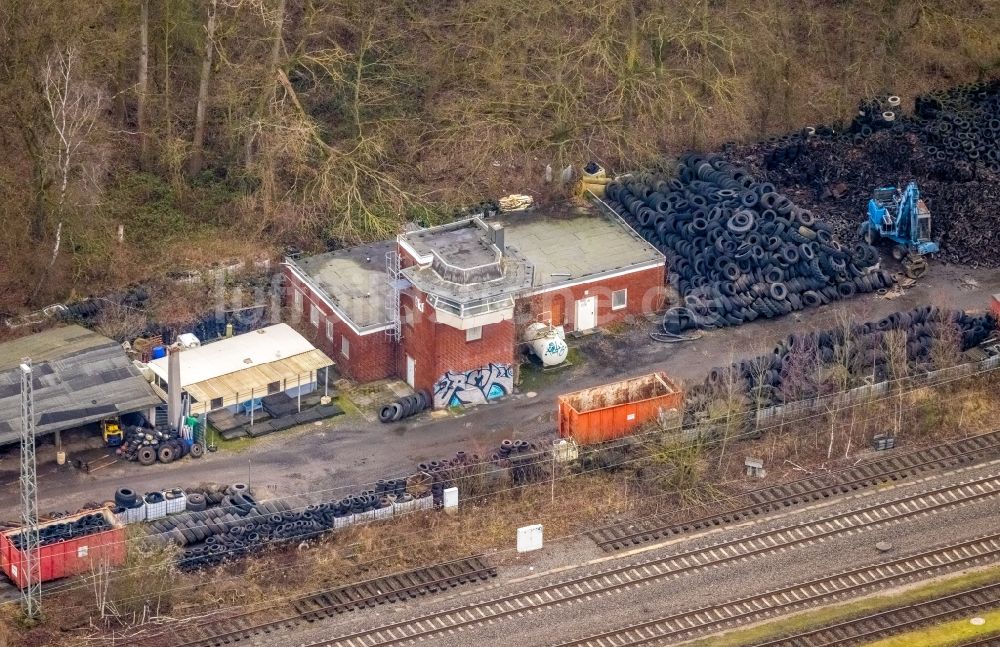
[(465, 268), (79, 377)]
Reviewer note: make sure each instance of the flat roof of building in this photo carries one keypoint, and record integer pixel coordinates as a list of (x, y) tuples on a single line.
[(576, 245), (354, 279), (78, 376), (542, 250), (271, 345)]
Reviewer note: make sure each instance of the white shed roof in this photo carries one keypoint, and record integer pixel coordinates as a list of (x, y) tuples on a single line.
[(260, 347)]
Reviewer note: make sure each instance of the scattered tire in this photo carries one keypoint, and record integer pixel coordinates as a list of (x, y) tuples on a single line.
[(146, 455), (405, 407), (126, 497), (196, 502), (166, 453)]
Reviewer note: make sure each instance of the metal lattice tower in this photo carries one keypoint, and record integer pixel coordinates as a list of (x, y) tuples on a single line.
[(31, 594), (392, 298)]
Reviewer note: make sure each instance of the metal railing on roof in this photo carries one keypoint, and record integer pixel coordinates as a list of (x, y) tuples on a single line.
[(471, 309)]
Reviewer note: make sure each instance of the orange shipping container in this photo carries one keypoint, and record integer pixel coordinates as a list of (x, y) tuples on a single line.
[(614, 410), (69, 557)]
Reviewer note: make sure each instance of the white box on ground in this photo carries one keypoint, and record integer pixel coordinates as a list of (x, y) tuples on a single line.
[(451, 499), (529, 538)]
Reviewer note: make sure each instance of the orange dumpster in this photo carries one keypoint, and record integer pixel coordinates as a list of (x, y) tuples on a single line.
[(614, 410)]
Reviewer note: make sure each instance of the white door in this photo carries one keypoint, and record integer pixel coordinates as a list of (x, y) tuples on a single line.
[(586, 313), (411, 371)]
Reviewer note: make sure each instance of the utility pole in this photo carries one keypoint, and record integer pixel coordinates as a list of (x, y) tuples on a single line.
[(31, 594)]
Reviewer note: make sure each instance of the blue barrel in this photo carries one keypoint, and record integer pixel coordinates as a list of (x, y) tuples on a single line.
[(159, 351)]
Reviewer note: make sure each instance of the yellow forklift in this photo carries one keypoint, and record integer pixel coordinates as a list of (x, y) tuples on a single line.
[(112, 431)]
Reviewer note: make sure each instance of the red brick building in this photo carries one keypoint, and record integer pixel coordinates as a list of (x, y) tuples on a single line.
[(444, 308)]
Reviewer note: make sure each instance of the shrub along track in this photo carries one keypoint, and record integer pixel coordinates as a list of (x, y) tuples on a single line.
[(814, 488), (627, 576), (330, 602), (860, 631), (688, 624)]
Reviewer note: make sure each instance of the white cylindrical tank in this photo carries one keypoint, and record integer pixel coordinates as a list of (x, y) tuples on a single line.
[(547, 342), (188, 340)]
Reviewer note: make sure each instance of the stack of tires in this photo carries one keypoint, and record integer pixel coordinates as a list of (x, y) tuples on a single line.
[(58, 532), (737, 249), (148, 446), (790, 372), (404, 407)]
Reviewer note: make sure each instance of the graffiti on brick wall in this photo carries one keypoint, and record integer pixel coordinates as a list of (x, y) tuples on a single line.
[(475, 386)]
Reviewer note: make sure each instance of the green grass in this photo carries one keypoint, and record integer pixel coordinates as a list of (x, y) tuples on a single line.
[(534, 378), (957, 632), (832, 614)]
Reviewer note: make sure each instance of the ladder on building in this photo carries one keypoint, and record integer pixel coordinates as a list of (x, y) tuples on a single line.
[(392, 296)]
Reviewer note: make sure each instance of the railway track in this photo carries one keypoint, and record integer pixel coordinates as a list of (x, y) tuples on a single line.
[(670, 567), (330, 602), (711, 619), (779, 497), (859, 631)]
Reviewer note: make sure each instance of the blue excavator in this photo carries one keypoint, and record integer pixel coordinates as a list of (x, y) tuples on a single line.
[(902, 218)]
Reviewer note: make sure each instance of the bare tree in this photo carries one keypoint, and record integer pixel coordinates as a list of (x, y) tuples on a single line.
[(142, 89), (73, 108), (946, 345), (894, 344), (197, 153)]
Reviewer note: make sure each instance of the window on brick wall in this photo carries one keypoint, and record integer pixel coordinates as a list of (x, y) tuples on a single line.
[(297, 301), (314, 314), (619, 299), (345, 346), (472, 334), (329, 329), (408, 316)]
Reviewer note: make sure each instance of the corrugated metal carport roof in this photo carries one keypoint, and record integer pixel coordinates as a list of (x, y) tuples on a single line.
[(79, 377)]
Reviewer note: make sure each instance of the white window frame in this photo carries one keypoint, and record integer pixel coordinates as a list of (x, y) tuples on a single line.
[(474, 334), (345, 346), (329, 329), (624, 303), (314, 314), (297, 301)]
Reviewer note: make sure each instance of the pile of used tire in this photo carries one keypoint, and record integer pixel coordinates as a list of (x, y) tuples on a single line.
[(933, 336), (88, 310), (150, 445), (523, 459), (406, 406), (737, 249), (57, 532), (223, 522), (239, 525), (949, 144)]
